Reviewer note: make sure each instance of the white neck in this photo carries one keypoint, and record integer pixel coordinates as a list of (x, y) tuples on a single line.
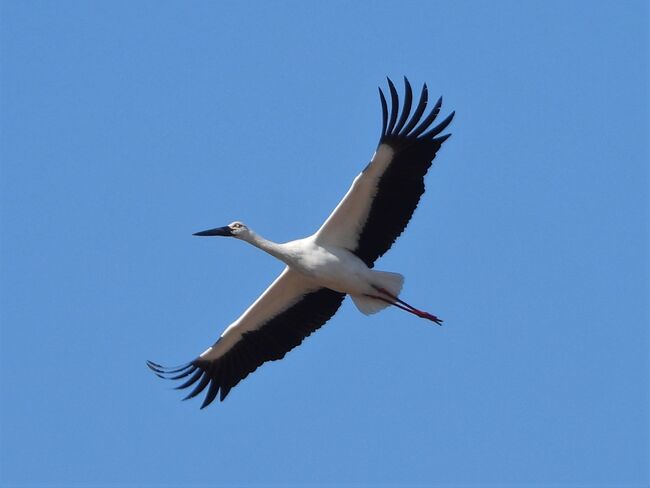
[(273, 248)]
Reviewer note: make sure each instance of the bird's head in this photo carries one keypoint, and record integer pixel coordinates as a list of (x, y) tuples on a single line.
[(234, 229)]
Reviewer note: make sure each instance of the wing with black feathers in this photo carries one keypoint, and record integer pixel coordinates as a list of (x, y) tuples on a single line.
[(279, 320), (379, 204)]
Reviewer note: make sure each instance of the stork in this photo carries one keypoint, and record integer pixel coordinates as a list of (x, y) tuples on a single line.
[(334, 262)]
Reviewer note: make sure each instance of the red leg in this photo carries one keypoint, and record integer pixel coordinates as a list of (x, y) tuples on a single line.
[(396, 302), (407, 307)]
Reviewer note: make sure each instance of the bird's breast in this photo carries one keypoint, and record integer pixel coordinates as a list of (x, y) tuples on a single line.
[(334, 268)]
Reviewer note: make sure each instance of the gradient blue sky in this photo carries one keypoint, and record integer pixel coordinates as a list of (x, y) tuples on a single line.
[(126, 126)]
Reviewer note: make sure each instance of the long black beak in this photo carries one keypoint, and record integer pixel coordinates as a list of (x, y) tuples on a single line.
[(219, 231)]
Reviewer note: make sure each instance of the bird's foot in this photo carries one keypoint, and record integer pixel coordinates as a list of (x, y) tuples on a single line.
[(428, 316)]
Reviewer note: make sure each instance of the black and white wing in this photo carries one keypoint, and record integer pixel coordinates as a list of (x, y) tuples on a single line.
[(382, 199), (289, 310)]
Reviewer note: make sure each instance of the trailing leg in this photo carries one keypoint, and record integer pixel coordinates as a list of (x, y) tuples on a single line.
[(395, 301)]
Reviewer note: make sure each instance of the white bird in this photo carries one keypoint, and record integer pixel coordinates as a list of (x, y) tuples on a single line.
[(334, 262)]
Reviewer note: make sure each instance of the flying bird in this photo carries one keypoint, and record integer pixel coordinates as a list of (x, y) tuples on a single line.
[(334, 262)]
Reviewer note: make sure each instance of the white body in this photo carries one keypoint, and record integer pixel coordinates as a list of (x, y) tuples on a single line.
[(324, 265)]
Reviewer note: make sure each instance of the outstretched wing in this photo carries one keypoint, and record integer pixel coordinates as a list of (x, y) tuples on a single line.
[(382, 199), (287, 312)]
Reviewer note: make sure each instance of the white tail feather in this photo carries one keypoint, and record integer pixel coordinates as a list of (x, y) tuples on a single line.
[(391, 282)]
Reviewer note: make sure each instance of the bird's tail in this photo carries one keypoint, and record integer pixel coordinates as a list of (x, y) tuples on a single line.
[(391, 282)]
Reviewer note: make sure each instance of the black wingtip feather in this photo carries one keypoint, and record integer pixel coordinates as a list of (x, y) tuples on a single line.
[(157, 368), (419, 110), (193, 379), (205, 379), (440, 127), (424, 125), (384, 112), (406, 110), (212, 393), (441, 139), (394, 106), (400, 126), (185, 373), (224, 393)]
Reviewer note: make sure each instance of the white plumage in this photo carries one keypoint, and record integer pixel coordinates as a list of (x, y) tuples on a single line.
[(335, 261)]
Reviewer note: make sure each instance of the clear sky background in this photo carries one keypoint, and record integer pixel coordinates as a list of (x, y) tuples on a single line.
[(126, 126)]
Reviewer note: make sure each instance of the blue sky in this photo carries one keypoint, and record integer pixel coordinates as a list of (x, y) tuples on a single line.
[(126, 126)]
